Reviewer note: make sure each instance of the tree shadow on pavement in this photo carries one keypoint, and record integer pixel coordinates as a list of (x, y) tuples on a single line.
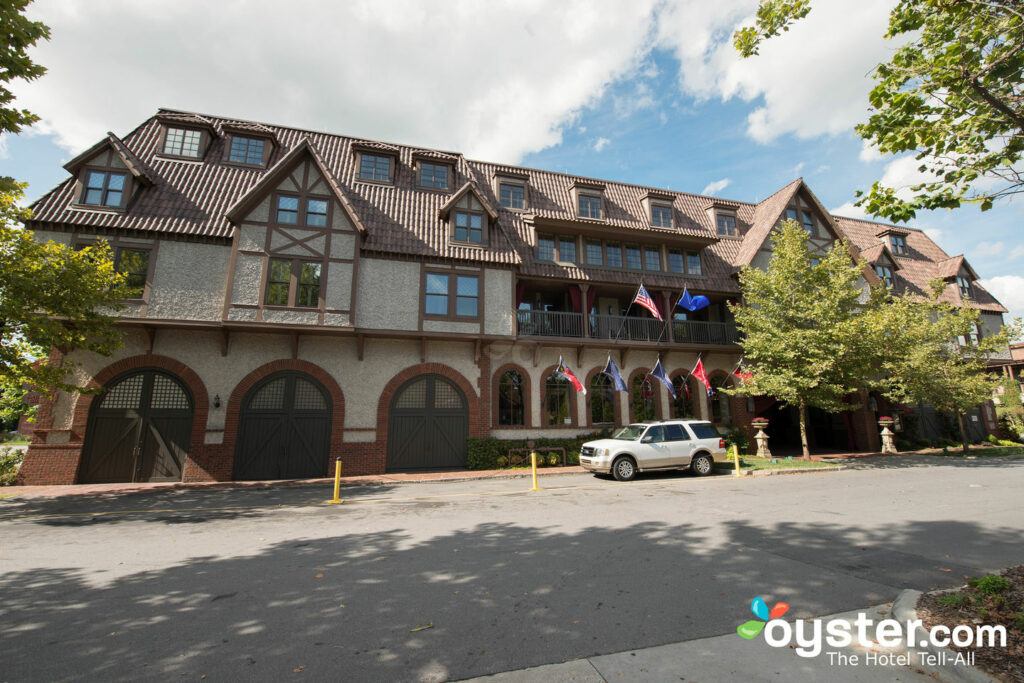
[(490, 597)]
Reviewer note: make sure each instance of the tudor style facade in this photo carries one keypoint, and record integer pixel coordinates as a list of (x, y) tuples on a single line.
[(301, 296)]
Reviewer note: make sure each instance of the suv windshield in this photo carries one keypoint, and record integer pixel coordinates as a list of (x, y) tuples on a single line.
[(630, 433)]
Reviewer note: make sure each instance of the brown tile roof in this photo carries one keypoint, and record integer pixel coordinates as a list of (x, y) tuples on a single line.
[(766, 215)]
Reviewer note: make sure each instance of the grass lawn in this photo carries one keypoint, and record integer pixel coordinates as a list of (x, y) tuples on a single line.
[(751, 463), (15, 441)]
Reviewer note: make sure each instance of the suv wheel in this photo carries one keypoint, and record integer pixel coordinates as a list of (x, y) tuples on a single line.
[(702, 465), (624, 469)]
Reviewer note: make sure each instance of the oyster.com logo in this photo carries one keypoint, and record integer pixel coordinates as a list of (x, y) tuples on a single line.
[(752, 628)]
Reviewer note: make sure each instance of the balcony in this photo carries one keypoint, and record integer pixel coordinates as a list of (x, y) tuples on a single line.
[(549, 324), (623, 328), (627, 328), (700, 332)]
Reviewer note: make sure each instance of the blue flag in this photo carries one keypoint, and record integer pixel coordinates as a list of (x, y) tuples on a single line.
[(612, 371), (659, 374), (693, 303)]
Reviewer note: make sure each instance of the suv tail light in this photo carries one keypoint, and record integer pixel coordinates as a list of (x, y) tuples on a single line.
[(721, 443)]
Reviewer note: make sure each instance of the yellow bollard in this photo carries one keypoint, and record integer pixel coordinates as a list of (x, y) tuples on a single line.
[(337, 483), (736, 455), (533, 460)]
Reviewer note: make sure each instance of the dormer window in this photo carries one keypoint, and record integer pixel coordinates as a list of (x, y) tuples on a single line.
[(248, 151), (885, 273), (104, 188), (512, 194), (375, 167), (661, 216), (899, 244), (183, 142), (726, 224), (469, 227), (434, 176), (965, 287), (590, 205)]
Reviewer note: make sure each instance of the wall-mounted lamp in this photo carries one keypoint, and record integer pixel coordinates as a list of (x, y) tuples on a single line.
[(216, 401)]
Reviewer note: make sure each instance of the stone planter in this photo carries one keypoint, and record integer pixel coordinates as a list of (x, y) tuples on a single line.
[(762, 439), (888, 438)]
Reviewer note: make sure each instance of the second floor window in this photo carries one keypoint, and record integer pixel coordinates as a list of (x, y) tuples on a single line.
[(566, 250), (375, 167), (134, 265), (309, 211), (885, 273), (965, 287), (726, 225), (433, 175), (633, 257), (104, 188), (899, 244), (661, 216), (512, 195), (613, 255), (652, 258), (469, 227), (247, 151), (684, 262), (590, 206), (293, 283), (808, 223), (182, 142), (439, 297), (594, 251), (545, 248)]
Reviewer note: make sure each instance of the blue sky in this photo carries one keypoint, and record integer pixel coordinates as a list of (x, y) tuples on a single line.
[(649, 92)]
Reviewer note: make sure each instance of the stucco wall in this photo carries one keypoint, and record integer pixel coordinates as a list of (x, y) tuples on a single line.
[(50, 236), (246, 288), (389, 294), (339, 286), (188, 281), (498, 315)]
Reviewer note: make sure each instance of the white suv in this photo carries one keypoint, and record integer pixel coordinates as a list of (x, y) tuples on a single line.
[(666, 445)]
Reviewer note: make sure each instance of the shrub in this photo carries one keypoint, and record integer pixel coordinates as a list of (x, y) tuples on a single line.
[(484, 454), (990, 585), (10, 461), (737, 437), (925, 443), (904, 445), (991, 438), (553, 459)]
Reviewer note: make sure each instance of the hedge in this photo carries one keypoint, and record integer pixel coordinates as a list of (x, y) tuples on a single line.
[(492, 454)]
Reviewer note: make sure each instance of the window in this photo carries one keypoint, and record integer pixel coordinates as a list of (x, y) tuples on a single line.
[(721, 409), (556, 400), (316, 212), (247, 150), (899, 244), (682, 406), (808, 223), (374, 167), (602, 400), (594, 253), (675, 261), (791, 215), (726, 225), (693, 263), (687, 262), (511, 407), (433, 175), (965, 287), (566, 250), (652, 258), (306, 275), (702, 430), (545, 248), (633, 257), (287, 209), (661, 216), (512, 195), (104, 188), (613, 255), (642, 399), (182, 143), (467, 295), (590, 206), (134, 265), (885, 273), (656, 434), (469, 227), (676, 433)]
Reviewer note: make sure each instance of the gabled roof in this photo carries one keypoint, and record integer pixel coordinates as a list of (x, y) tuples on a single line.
[(132, 162), (766, 215), (873, 253), (277, 173), (950, 267), (468, 188)]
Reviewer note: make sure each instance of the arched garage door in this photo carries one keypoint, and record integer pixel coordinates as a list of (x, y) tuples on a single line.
[(138, 430), (284, 430), (428, 424)]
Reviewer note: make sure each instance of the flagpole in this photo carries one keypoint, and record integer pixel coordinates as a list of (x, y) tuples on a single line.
[(623, 323), (668, 315)]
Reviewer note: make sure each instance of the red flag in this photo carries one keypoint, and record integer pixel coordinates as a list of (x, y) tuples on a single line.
[(702, 376), (741, 371), (565, 372)]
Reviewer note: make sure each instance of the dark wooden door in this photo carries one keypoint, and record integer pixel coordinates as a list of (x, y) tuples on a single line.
[(284, 431), (139, 430), (427, 425)]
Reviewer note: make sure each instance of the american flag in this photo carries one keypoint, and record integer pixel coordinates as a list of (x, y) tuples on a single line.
[(644, 299)]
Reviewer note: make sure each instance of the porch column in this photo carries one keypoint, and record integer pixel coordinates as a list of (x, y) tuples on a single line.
[(585, 299), (666, 296)]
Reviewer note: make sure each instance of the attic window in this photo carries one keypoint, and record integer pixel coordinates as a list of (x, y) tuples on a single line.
[(661, 215), (885, 272), (965, 287), (726, 224), (375, 167), (899, 244), (247, 151), (590, 205), (182, 142), (434, 176), (512, 194), (104, 188), (469, 227)]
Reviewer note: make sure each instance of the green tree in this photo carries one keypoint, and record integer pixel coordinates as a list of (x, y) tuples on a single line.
[(51, 297), (951, 94), (806, 327), (932, 353)]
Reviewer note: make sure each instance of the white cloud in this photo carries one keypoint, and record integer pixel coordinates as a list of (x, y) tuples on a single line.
[(848, 210), (601, 143), (810, 81), (938, 236), (716, 186), (869, 153), (1009, 289), (399, 70), (1017, 252), (989, 248)]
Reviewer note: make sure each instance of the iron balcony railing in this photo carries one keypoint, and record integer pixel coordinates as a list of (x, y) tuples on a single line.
[(549, 324), (626, 328), (700, 332)]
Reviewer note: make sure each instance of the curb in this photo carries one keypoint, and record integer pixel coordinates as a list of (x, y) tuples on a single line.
[(904, 609), (791, 470)]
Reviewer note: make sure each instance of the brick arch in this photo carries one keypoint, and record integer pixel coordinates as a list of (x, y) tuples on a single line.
[(527, 412), (692, 383), (573, 408), (221, 465), (187, 375), (478, 427), (616, 403), (658, 412)]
